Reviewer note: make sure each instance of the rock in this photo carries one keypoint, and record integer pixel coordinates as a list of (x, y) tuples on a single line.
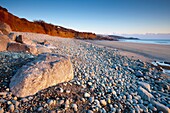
[(86, 95), (3, 94), (67, 102), (1, 110), (74, 106), (50, 102), (4, 40), (24, 40), (16, 103), (17, 47), (103, 102), (145, 94), (160, 106), (45, 42), (40, 109), (61, 102), (144, 85), (12, 36), (2, 100), (91, 99), (5, 28), (45, 71), (145, 109), (139, 74), (150, 106), (89, 111), (11, 108), (43, 49), (129, 97), (1, 33)]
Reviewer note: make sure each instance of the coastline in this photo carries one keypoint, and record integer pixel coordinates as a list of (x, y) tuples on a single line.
[(145, 52), (101, 75)]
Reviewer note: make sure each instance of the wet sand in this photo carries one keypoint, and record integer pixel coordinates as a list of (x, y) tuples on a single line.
[(145, 52)]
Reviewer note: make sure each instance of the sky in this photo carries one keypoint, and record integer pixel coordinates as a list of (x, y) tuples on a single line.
[(98, 16)]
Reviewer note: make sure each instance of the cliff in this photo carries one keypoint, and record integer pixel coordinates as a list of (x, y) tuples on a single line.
[(23, 25)]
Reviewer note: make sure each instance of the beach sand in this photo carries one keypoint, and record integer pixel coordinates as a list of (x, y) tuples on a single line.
[(144, 52)]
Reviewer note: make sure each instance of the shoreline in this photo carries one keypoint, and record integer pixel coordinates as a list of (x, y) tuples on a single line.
[(101, 75), (145, 52)]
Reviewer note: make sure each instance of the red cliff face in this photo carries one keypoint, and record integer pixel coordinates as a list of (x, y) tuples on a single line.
[(23, 25)]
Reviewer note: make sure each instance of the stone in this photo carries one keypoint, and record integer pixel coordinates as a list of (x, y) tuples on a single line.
[(45, 71), (43, 49), (50, 102), (40, 109), (5, 28), (86, 95), (89, 111), (24, 40), (74, 106), (139, 74), (1, 33), (4, 40), (45, 42), (160, 107), (12, 36), (103, 102), (1, 110), (145, 109), (145, 94), (4, 94), (144, 85), (11, 108), (91, 99), (17, 47), (2, 100)]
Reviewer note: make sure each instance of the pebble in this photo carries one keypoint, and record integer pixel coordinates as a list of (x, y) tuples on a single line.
[(89, 111), (86, 95), (74, 106), (61, 101), (145, 94), (51, 102), (160, 107), (67, 102), (103, 102), (144, 85), (40, 109), (11, 108), (91, 99), (2, 100), (1, 110)]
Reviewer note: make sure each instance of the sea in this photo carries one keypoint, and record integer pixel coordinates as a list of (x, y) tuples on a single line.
[(148, 41)]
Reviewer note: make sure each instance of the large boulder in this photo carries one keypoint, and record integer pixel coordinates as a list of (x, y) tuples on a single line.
[(4, 40), (47, 70), (18, 47), (24, 40), (5, 28)]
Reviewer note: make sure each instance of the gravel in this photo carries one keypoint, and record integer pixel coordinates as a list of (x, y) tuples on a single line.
[(104, 81)]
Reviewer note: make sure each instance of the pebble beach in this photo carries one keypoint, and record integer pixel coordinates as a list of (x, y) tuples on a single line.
[(104, 81)]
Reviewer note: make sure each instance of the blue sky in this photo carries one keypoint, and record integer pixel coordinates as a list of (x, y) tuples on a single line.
[(98, 16)]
